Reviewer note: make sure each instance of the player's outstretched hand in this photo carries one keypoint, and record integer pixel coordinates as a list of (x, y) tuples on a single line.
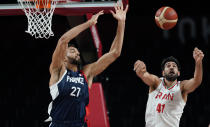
[(198, 55), (139, 67), (94, 18), (120, 13)]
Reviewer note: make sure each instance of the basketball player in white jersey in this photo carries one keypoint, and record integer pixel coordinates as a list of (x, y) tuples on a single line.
[(167, 96)]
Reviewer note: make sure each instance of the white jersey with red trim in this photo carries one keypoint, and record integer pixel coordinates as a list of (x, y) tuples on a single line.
[(164, 106)]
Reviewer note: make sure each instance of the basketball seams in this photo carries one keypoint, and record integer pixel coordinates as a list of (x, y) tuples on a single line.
[(163, 12), (171, 21), (166, 18), (162, 18)]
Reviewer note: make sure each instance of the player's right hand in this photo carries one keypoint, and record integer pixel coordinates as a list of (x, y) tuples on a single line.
[(139, 67), (94, 18)]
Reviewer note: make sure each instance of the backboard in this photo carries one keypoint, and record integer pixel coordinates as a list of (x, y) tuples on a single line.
[(65, 8)]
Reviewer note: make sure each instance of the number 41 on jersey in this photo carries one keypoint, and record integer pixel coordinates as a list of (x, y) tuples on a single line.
[(160, 108)]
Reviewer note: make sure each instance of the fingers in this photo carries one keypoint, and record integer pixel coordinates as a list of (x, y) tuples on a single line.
[(115, 7), (95, 17), (197, 51), (112, 12), (126, 9), (198, 54), (119, 6), (139, 65), (202, 55), (100, 13), (136, 65)]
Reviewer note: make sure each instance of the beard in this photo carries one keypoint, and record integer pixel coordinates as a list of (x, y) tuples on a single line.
[(171, 77), (74, 61)]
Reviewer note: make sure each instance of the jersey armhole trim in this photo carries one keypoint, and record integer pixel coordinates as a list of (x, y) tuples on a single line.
[(84, 76), (55, 84), (54, 88), (179, 85), (158, 87)]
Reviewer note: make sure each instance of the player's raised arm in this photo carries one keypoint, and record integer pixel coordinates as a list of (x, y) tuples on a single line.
[(189, 86), (59, 53), (102, 63), (147, 78)]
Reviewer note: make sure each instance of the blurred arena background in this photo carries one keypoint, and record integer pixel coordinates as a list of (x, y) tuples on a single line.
[(24, 92)]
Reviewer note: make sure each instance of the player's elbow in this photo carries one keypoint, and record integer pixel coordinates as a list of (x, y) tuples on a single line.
[(198, 84), (116, 54), (194, 86), (197, 81), (192, 89), (64, 39)]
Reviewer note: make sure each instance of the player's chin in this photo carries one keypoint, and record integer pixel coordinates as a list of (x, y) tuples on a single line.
[(171, 74), (171, 77), (78, 59)]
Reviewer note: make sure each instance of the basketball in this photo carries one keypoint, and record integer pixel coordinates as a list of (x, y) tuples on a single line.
[(166, 18)]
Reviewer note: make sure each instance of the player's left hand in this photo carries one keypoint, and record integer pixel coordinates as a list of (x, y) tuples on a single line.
[(198, 55), (120, 13)]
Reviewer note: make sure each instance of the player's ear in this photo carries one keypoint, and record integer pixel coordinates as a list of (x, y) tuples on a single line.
[(65, 59), (163, 74), (178, 73)]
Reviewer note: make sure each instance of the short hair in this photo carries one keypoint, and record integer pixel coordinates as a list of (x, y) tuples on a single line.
[(170, 59), (73, 44)]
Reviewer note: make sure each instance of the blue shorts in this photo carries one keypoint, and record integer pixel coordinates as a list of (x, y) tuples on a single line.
[(68, 124)]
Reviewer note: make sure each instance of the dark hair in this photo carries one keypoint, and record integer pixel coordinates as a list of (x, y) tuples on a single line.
[(170, 59), (73, 44)]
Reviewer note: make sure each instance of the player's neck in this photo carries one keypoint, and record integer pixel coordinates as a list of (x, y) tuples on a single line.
[(168, 84), (72, 67)]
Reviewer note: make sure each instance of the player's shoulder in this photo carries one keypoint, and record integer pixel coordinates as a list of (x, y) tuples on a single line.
[(87, 68), (182, 82), (161, 78), (158, 82)]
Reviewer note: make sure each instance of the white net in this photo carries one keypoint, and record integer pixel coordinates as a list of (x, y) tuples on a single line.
[(39, 14)]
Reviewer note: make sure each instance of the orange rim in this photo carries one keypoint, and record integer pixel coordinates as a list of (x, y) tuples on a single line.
[(40, 4)]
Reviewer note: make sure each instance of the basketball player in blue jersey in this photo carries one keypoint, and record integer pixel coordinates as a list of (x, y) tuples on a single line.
[(69, 85), (167, 96)]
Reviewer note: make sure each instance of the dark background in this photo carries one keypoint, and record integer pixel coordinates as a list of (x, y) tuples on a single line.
[(24, 92)]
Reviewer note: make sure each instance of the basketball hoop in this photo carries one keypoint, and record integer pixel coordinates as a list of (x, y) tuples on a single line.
[(39, 14)]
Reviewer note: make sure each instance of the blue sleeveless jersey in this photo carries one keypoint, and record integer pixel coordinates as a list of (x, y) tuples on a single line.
[(70, 97)]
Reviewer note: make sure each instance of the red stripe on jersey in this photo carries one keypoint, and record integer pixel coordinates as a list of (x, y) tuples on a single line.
[(173, 86), (87, 115), (84, 76)]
